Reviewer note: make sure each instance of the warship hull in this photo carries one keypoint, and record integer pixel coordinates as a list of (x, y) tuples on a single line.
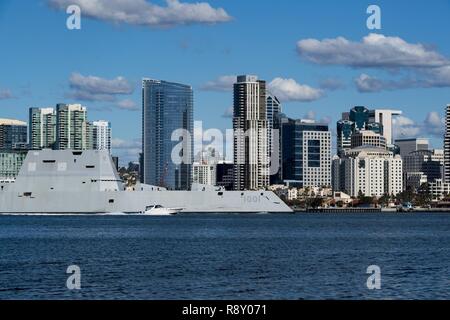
[(69, 182)]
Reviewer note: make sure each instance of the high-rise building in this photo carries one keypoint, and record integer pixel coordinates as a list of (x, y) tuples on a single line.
[(358, 119), (422, 166), (167, 129), (204, 174), (410, 145), (359, 115), (225, 175), (251, 156), (344, 136), (361, 118), (306, 153), (447, 145), (101, 135), (13, 134), (42, 130), (10, 163), (72, 128), (367, 138), (369, 171), (384, 117), (273, 109), (274, 114)]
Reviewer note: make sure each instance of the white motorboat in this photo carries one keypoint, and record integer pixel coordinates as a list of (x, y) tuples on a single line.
[(158, 210)]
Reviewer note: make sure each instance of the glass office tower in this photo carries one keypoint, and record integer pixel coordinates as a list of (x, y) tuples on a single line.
[(306, 153), (13, 134), (359, 115), (167, 134)]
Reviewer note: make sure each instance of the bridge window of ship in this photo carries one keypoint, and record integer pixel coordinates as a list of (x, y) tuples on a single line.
[(77, 153), (27, 194), (90, 167), (48, 161)]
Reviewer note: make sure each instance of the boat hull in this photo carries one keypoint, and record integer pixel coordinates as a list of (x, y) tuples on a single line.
[(137, 201)]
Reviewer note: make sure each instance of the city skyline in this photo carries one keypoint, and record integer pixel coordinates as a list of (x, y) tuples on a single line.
[(106, 77)]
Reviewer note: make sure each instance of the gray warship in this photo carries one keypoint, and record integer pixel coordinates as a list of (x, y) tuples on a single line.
[(87, 182)]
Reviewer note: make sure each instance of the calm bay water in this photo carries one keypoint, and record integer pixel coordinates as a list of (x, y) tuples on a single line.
[(226, 256)]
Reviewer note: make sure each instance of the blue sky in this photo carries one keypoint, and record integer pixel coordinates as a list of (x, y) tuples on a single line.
[(43, 63)]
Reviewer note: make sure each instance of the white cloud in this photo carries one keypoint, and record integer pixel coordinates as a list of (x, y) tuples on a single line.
[(310, 115), (284, 89), (127, 104), (145, 13), (222, 83), (407, 128), (429, 68), (434, 124), (404, 127), (332, 84), (5, 94), (228, 113), (366, 83), (126, 150), (435, 77), (93, 88), (375, 50), (290, 90)]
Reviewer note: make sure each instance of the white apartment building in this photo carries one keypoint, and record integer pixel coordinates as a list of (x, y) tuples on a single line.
[(385, 117), (438, 189), (447, 145), (204, 174), (368, 138), (251, 156), (101, 135), (370, 171)]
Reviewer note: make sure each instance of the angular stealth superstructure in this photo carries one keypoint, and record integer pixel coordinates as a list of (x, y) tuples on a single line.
[(68, 181)]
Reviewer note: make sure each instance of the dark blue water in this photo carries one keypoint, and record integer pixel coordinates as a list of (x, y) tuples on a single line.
[(226, 257)]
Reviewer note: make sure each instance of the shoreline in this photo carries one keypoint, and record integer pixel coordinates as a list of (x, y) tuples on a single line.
[(372, 210)]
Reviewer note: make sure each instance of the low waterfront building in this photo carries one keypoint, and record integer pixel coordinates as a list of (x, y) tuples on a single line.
[(342, 197), (439, 189), (292, 194)]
